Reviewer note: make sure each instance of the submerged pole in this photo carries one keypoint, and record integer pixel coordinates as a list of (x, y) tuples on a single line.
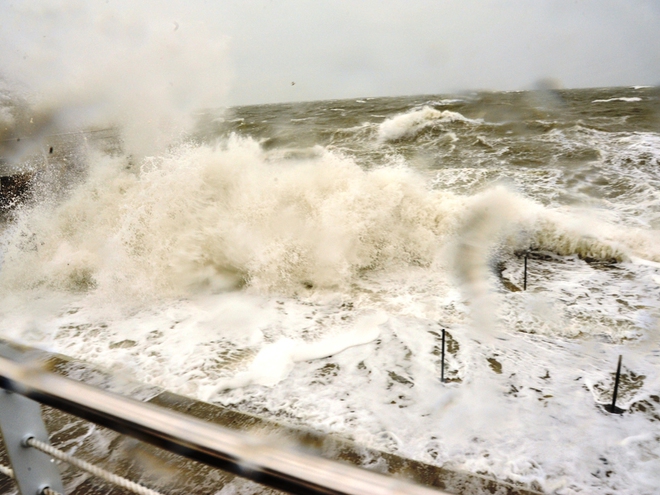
[(442, 368), (613, 408)]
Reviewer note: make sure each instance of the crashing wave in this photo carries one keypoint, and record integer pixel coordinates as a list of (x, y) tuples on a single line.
[(409, 124), (220, 217)]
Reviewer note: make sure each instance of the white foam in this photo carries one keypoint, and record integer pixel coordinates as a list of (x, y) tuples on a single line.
[(275, 361), (210, 218), (206, 218), (446, 101), (622, 98), (410, 123), (641, 261), (232, 273)]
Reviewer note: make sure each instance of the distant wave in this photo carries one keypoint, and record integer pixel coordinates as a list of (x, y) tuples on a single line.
[(410, 123), (446, 101), (622, 98)]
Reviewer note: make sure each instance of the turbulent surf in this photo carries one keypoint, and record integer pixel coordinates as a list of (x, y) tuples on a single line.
[(299, 261)]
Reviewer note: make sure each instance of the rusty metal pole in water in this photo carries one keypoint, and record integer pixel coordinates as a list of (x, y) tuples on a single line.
[(613, 408), (525, 276), (442, 369)]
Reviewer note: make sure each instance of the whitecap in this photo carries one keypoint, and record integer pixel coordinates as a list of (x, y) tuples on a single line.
[(622, 98)]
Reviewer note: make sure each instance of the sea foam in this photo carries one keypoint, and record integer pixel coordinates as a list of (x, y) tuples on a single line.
[(210, 218), (410, 123), (630, 99)]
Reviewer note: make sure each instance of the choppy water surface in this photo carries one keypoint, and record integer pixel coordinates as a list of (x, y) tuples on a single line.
[(300, 261)]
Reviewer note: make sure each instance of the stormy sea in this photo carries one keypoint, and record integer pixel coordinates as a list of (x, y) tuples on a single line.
[(301, 261)]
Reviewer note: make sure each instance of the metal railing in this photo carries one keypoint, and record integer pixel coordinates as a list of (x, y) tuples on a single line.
[(255, 458)]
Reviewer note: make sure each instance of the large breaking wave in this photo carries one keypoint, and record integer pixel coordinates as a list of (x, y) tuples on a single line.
[(216, 217)]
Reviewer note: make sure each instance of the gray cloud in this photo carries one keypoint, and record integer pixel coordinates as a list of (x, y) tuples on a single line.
[(339, 49)]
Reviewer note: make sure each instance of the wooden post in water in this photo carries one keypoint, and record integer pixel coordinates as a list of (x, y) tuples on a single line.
[(442, 368), (525, 276)]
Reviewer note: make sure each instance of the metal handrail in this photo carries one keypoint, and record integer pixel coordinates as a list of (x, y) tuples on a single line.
[(255, 458)]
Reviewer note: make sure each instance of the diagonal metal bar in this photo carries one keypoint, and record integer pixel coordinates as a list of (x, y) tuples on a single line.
[(258, 459)]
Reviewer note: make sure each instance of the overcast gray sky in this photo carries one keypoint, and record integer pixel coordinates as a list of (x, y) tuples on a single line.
[(342, 49), (336, 49)]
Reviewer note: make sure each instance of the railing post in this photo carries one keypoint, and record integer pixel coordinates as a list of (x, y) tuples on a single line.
[(20, 419)]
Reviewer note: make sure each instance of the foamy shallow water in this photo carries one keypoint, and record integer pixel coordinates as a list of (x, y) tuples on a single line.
[(311, 285)]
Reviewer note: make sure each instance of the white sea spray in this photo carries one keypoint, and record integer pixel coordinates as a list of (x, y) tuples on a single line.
[(410, 123), (250, 275)]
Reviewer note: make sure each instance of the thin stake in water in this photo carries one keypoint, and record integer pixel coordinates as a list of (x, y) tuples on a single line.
[(525, 276), (613, 408), (442, 368)]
